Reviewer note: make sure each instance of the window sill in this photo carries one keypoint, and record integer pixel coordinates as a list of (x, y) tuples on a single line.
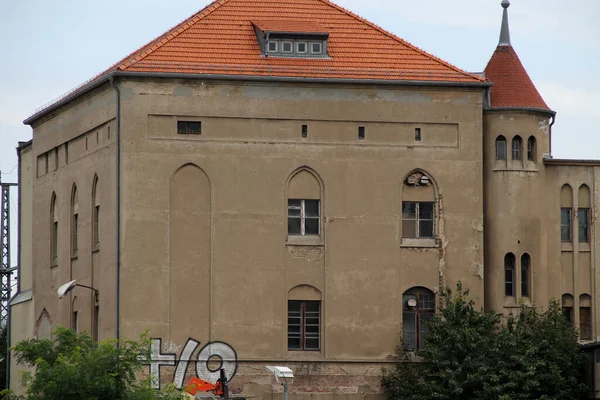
[(313, 240), (416, 242), (54, 265), (75, 255), (304, 355), (96, 248)]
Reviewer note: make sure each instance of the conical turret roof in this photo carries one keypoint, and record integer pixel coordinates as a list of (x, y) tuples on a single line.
[(512, 85)]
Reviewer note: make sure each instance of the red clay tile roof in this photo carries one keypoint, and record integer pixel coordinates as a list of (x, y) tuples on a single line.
[(512, 85), (290, 26), (220, 39)]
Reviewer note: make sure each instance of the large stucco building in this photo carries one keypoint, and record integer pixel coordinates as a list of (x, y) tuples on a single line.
[(294, 185)]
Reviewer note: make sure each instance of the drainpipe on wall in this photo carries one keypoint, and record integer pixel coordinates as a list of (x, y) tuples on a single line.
[(118, 209), (550, 133)]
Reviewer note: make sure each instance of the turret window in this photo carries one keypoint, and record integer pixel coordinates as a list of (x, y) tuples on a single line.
[(516, 148), (531, 149), (500, 148), (509, 275)]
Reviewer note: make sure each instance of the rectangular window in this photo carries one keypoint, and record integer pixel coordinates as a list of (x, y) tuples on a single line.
[(272, 46), (361, 132), (287, 47), (568, 313), (585, 323), (304, 325), (565, 224), (303, 217), (583, 214), (516, 149), (75, 321), (54, 243), (75, 233), (96, 227), (524, 280), (500, 149), (417, 219), (301, 47), (418, 134), (509, 281), (316, 48), (189, 127), (304, 131)]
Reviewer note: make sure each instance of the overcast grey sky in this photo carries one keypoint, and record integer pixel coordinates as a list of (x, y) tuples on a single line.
[(51, 46)]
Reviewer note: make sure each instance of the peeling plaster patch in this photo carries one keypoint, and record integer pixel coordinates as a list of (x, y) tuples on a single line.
[(308, 253), (126, 93), (184, 91), (477, 225), (477, 269)]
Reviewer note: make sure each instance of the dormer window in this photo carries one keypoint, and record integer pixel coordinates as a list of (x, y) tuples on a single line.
[(301, 47), (272, 46), (291, 39), (316, 48)]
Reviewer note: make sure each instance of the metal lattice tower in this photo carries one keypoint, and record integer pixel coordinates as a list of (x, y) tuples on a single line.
[(5, 269)]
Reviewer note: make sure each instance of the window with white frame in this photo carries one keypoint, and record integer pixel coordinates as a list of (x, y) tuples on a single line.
[(316, 48), (272, 46), (418, 219), (303, 217), (287, 47)]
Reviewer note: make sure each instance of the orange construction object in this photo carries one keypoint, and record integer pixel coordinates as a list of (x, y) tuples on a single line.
[(199, 385)]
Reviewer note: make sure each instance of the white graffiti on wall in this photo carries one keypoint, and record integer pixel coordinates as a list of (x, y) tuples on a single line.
[(221, 352)]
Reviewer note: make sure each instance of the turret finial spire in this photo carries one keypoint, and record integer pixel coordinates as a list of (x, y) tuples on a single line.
[(505, 31)]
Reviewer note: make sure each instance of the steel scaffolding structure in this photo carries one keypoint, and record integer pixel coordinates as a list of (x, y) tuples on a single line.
[(5, 268)]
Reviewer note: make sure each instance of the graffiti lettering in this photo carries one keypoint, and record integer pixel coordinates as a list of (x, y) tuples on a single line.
[(223, 353)]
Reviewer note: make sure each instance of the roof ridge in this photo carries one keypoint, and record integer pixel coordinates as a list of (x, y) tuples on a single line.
[(170, 34), (399, 39)]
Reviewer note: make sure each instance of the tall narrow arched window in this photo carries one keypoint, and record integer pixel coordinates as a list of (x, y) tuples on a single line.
[(509, 274), (531, 150), (501, 148), (585, 317), (566, 207), (418, 207), (304, 205), (525, 275), (516, 147), (418, 307), (95, 215), (567, 306), (74, 222), (75, 315), (53, 231)]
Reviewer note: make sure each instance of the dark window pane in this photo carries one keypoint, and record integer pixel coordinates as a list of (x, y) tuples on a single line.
[(312, 343), (313, 306), (425, 210), (294, 305), (295, 203), (525, 281), (501, 149), (425, 229), (294, 226), (516, 149), (423, 328), (565, 224), (409, 329), (568, 313), (583, 225), (294, 212), (426, 301), (294, 343), (311, 226), (409, 210), (405, 299), (584, 323), (312, 208), (508, 282)]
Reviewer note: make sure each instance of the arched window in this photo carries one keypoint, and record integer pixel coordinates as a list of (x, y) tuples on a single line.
[(95, 215), (566, 207), (304, 204), (585, 317), (525, 274), (509, 274), (418, 207), (74, 221), (500, 148), (418, 307), (516, 147), (567, 306), (53, 231), (75, 315), (304, 318), (531, 156)]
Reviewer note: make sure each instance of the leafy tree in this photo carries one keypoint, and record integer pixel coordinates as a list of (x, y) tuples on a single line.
[(3, 351), (72, 366), (472, 354)]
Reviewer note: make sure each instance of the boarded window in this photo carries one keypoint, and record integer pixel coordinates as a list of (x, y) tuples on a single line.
[(304, 325)]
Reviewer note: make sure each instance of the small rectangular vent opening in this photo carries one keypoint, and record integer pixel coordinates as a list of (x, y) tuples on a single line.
[(304, 131), (418, 134), (361, 132)]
